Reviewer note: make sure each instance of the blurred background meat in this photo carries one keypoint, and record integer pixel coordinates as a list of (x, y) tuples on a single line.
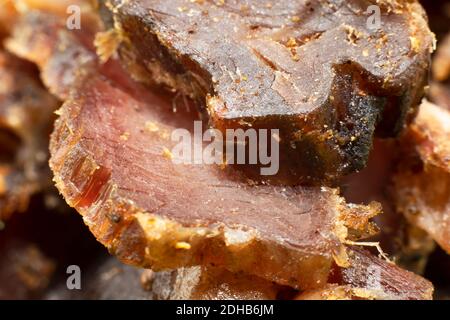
[(26, 120)]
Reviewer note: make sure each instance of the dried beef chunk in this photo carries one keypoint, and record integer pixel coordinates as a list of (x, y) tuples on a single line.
[(311, 69), (111, 160), (172, 215), (26, 119), (370, 277), (33, 39), (422, 184)]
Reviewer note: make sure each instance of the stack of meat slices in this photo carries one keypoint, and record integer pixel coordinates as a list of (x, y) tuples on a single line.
[(313, 71)]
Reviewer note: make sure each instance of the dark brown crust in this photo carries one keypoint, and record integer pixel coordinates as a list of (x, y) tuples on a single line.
[(153, 231), (373, 278), (309, 68)]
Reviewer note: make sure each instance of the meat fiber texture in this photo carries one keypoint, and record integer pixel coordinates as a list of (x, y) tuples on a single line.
[(156, 219), (314, 70), (170, 216)]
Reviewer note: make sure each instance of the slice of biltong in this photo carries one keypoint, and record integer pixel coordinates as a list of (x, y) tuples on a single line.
[(112, 162)]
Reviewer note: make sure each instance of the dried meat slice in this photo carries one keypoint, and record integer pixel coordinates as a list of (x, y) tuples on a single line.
[(422, 184), (370, 277), (172, 215), (111, 162), (26, 118), (312, 69)]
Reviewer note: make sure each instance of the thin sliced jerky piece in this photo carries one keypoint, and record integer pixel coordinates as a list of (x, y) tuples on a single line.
[(173, 215), (151, 212), (422, 185), (373, 278), (26, 117), (312, 69)]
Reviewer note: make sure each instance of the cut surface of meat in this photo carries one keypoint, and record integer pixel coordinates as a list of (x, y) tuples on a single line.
[(169, 215), (314, 70), (111, 162), (179, 215)]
